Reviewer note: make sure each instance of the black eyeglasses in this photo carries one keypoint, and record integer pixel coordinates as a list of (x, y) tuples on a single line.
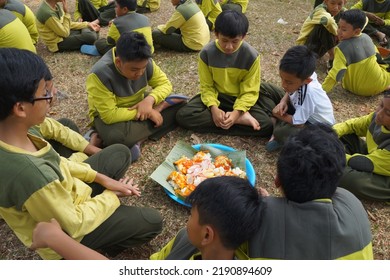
[(48, 97)]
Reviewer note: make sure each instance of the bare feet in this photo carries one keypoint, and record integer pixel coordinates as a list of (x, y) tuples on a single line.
[(249, 120), (96, 140)]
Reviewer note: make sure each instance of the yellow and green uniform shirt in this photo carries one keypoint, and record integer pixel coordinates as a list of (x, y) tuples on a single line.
[(13, 33), (192, 24), (377, 139), (380, 8), (110, 94), (355, 66), (38, 186), (322, 229), (236, 74), (210, 9), (132, 21), (54, 25), (25, 14), (320, 15)]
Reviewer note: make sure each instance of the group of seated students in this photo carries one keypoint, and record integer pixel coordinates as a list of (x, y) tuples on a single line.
[(320, 169)]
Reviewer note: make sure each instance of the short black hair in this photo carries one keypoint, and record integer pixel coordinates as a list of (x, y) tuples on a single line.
[(131, 5), (355, 17), (133, 46), (230, 205), (21, 72), (231, 23), (311, 164), (299, 61)]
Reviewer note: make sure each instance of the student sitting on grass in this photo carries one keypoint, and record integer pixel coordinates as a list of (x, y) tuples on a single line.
[(304, 101), (24, 13), (378, 13), (293, 227), (367, 174), (210, 9), (99, 11), (319, 31), (185, 31), (147, 6), (58, 32), (225, 211), (38, 184), (127, 20), (229, 74), (13, 33), (315, 220), (356, 59), (120, 109)]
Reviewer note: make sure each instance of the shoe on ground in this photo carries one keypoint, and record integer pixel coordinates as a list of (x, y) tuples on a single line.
[(273, 146), (89, 50)]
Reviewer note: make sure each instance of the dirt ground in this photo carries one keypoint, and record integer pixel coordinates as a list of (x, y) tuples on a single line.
[(271, 39)]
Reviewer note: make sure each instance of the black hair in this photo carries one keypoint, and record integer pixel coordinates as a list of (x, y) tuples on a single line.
[(355, 17), (311, 163), (231, 23), (133, 46), (21, 72), (131, 5), (230, 205), (299, 61)]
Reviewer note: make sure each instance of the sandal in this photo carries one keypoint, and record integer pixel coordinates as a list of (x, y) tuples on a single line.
[(88, 134), (170, 99)]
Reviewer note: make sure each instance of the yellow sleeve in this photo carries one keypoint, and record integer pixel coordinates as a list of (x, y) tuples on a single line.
[(358, 126), (174, 23), (209, 93), (358, 5), (337, 72), (29, 21), (164, 252), (113, 34), (161, 86), (60, 29), (53, 130), (249, 88), (76, 14), (76, 219)]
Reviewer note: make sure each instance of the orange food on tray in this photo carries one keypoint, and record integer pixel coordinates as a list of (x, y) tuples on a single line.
[(191, 172)]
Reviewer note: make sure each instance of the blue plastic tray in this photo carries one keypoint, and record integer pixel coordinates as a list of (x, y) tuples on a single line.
[(250, 171)]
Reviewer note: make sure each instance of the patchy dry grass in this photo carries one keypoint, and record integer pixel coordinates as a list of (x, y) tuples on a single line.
[(271, 40)]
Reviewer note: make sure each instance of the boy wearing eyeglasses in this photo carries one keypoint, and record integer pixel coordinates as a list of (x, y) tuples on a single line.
[(38, 185)]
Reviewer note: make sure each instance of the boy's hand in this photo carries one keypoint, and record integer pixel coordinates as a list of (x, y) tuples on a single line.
[(65, 6), (122, 187), (94, 26), (156, 117), (43, 231), (144, 108), (218, 116), (230, 119), (280, 109)]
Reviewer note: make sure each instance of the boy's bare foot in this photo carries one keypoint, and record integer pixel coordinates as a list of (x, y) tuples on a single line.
[(382, 40), (249, 120), (170, 101), (96, 140)]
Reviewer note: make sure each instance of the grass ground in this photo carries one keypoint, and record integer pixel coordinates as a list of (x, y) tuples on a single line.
[(271, 39)]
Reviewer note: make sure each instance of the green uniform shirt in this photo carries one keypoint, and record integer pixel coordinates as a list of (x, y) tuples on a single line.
[(236, 74), (13, 33), (110, 94), (132, 21), (355, 65), (38, 186), (320, 15), (54, 25), (377, 139), (25, 14), (192, 24)]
